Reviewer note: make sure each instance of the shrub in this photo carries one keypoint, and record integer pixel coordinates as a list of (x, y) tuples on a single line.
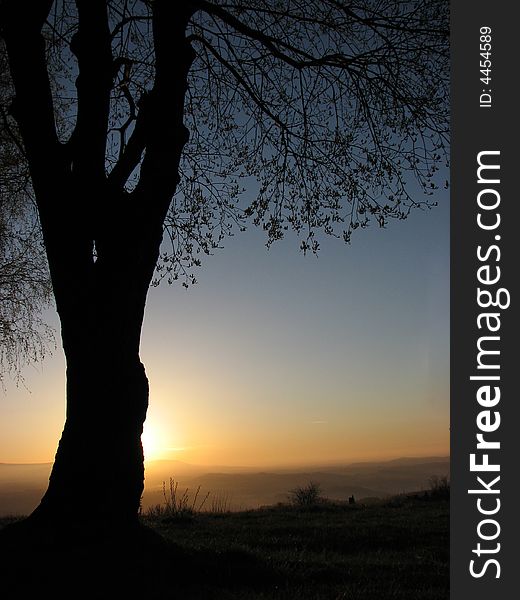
[(308, 495)]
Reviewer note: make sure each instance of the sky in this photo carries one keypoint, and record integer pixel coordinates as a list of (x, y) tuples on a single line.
[(279, 359)]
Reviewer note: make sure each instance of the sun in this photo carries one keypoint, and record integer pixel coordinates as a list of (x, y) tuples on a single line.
[(151, 440), (160, 439)]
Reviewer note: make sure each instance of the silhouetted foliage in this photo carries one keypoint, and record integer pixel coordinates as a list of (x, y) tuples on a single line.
[(327, 111), (187, 119), (25, 288), (179, 505), (306, 495)]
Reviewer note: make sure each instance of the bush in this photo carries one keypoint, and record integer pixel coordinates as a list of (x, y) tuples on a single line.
[(308, 495)]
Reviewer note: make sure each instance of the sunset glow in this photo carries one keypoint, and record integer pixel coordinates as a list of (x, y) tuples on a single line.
[(151, 443), (279, 359)]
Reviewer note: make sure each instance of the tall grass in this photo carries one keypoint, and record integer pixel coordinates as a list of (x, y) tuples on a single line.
[(182, 504), (220, 503), (178, 504), (439, 486)]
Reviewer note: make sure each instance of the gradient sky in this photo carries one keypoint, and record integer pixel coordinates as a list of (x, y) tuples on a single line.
[(279, 359)]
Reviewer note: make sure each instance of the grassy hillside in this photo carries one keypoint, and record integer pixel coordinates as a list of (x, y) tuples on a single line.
[(394, 550)]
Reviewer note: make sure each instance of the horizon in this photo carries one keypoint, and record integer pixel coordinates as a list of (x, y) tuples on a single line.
[(21, 485), (335, 463)]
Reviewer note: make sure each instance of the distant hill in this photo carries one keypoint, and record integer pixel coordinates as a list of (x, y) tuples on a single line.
[(253, 488), (21, 486)]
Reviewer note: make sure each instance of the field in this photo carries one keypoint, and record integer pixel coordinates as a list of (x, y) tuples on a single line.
[(396, 549)]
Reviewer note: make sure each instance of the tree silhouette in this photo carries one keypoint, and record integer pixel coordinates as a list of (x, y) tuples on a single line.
[(331, 111), (25, 288)]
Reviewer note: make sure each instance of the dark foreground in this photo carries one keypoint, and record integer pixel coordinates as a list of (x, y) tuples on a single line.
[(398, 550)]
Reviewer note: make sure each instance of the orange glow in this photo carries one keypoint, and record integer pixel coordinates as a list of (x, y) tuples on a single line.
[(151, 444)]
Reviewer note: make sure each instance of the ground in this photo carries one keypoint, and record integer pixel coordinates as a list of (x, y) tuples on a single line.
[(395, 550)]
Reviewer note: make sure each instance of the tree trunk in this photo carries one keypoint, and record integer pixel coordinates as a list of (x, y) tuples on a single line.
[(98, 474), (102, 245)]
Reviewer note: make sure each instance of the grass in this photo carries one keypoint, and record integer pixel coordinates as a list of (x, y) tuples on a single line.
[(177, 504), (328, 551), (333, 551), (183, 505)]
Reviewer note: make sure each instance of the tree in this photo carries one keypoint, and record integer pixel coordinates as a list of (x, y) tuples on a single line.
[(25, 288), (335, 109)]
